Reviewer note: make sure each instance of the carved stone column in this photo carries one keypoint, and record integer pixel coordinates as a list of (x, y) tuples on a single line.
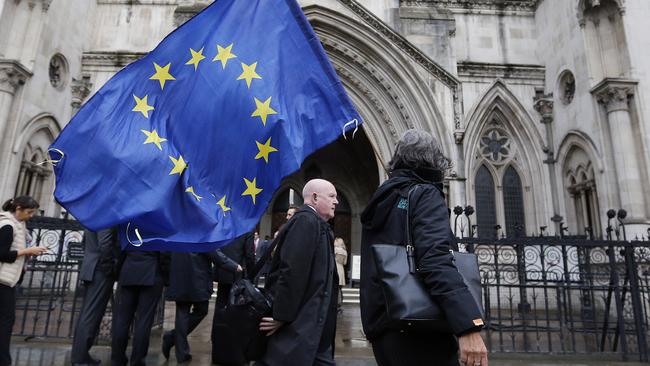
[(31, 35), (80, 89), (12, 76), (544, 106), (614, 95)]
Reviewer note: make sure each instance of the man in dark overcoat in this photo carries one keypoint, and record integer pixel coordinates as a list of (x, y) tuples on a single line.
[(142, 278), (303, 284), (98, 273), (190, 286)]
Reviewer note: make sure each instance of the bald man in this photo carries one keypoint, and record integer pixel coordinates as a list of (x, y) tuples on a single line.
[(303, 284)]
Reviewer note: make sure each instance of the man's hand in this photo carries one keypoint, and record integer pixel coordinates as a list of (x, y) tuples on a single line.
[(270, 325), (239, 269), (472, 350)]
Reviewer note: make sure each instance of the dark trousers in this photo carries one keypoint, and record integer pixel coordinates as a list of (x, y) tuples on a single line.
[(223, 292), (98, 293), (7, 319), (188, 317), (406, 349), (139, 303), (325, 357)]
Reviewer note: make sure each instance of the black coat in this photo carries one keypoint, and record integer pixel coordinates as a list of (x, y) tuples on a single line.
[(144, 268), (384, 222), (190, 277), (302, 283), (242, 252), (101, 252), (261, 249)]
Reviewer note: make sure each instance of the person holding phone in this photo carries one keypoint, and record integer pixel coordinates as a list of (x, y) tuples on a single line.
[(13, 251)]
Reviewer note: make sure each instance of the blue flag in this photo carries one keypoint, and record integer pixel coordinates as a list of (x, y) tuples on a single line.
[(184, 148)]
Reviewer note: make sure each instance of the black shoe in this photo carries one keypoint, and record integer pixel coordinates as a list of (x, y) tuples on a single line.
[(91, 362), (187, 358), (167, 344)]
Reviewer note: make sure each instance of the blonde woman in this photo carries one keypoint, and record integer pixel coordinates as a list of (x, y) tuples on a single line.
[(341, 254)]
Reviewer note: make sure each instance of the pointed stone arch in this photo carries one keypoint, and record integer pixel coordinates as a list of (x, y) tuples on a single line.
[(393, 89), (584, 5), (586, 192), (28, 169), (500, 110)]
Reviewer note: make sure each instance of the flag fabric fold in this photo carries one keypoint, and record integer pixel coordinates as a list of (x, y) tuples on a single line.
[(184, 148)]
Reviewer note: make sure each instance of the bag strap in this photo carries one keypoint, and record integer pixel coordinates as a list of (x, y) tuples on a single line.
[(410, 249), (269, 251)]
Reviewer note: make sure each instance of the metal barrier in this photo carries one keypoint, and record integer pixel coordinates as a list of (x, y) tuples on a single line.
[(570, 295), (541, 294), (50, 295)]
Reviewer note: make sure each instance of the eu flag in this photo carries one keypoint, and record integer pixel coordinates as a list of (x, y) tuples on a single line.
[(184, 148)]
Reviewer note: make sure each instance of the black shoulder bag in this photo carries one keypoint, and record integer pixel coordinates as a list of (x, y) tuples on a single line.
[(408, 303), (237, 338)]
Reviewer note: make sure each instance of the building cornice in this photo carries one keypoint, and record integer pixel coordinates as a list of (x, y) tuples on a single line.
[(491, 71), (522, 7), (13, 74), (139, 2), (114, 60)]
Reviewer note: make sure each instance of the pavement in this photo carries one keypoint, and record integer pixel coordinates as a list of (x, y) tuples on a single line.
[(351, 348)]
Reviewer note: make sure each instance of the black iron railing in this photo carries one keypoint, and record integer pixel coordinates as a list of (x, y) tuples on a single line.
[(50, 295), (564, 294), (572, 295)]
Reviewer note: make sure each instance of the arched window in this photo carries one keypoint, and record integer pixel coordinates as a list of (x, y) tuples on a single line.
[(485, 203), (513, 203), (33, 174), (583, 214)]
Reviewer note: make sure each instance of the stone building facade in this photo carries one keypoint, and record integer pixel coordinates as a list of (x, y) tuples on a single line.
[(543, 105)]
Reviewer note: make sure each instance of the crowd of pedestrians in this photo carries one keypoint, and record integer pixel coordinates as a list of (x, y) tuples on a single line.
[(304, 275)]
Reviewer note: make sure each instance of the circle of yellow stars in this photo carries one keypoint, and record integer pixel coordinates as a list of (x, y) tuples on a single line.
[(263, 109)]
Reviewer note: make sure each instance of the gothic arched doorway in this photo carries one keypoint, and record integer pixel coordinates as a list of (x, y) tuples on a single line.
[(351, 166)]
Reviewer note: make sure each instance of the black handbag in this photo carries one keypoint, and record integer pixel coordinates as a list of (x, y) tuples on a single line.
[(408, 303), (237, 338)]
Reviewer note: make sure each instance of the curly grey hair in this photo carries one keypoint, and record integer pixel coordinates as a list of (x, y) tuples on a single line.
[(418, 149)]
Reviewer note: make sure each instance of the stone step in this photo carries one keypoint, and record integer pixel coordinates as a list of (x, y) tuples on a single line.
[(350, 295)]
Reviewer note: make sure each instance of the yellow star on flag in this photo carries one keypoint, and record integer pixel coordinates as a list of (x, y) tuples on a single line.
[(222, 204), (263, 109), (179, 165), (190, 189), (251, 189), (142, 106), (153, 138), (223, 55), (265, 149), (196, 58), (248, 73), (162, 74)]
